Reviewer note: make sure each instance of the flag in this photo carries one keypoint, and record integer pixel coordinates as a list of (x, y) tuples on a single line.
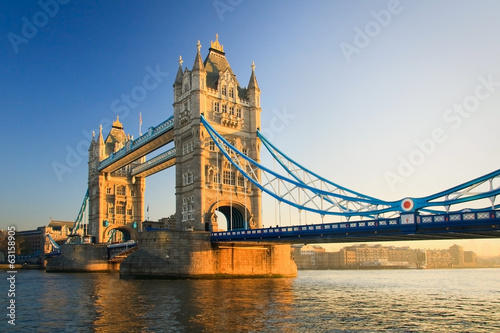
[(147, 210)]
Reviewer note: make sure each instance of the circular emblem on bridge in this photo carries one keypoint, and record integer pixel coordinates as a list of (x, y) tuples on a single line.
[(407, 204)]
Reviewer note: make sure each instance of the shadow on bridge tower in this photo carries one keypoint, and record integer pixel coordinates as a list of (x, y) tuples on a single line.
[(208, 188), (116, 199)]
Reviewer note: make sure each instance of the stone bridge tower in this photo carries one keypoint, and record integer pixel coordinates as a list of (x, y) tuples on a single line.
[(205, 180), (116, 200)]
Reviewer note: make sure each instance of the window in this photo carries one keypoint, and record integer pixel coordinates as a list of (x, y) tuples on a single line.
[(108, 190), (217, 178), (187, 178), (129, 212), (231, 110), (110, 209), (241, 181), (187, 209), (231, 92), (120, 190), (238, 113), (224, 89), (211, 146), (120, 210), (216, 106), (228, 177), (187, 147), (132, 193), (244, 150), (224, 108)]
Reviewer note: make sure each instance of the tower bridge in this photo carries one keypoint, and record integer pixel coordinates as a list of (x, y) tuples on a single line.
[(205, 183), (216, 154)]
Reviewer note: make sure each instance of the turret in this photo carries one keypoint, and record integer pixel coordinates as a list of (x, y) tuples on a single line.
[(178, 82), (253, 89), (199, 74)]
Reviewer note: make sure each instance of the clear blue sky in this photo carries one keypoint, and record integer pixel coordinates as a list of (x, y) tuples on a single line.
[(363, 84)]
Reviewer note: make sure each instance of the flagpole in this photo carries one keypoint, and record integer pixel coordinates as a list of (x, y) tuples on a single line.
[(140, 123)]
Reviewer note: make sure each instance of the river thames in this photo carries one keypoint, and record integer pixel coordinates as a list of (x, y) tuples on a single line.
[(459, 300)]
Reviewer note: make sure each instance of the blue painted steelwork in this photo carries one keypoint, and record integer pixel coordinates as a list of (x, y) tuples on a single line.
[(317, 191), (310, 178), (297, 194), (462, 193), (111, 234), (81, 213), (131, 146), (295, 169), (157, 160), (56, 248), (119, 248), (412, 226)]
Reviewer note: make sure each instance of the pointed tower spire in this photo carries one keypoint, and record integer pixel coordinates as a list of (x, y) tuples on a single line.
[(253, 91), (252, 84), (100, 138), (199, 73), (178, 78), (198, 63), (178, 81)]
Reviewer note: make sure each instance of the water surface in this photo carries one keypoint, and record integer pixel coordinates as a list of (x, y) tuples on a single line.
[(460, 300)]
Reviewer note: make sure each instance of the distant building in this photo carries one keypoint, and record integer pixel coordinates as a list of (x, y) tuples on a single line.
[(31, 241), (470, 258), (378, 256), (60, 230), (32, 244), (309, 256), (168, 223), (347, 258), (457, 255), (439, 259)]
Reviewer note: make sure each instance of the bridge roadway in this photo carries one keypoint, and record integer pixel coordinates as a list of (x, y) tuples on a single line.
[(155, 138), (407, 227)]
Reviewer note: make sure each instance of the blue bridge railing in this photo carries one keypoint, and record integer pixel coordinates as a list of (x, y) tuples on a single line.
[(405, 224)]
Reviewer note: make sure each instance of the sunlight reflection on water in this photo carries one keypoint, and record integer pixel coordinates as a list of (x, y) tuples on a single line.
[(315, 301)]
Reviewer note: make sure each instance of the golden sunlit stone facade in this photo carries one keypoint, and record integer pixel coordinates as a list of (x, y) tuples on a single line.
[(116, 200), (205, 180)]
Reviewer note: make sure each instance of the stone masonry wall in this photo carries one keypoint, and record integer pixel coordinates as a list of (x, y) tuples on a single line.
[(80, 258), (164, 254)]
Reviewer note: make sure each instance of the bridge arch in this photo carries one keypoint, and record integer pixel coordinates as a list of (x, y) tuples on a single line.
[(236, 215), (129, 233)]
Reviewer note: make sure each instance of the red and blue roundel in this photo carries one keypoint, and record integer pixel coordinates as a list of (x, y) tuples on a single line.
[(407, 204)]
